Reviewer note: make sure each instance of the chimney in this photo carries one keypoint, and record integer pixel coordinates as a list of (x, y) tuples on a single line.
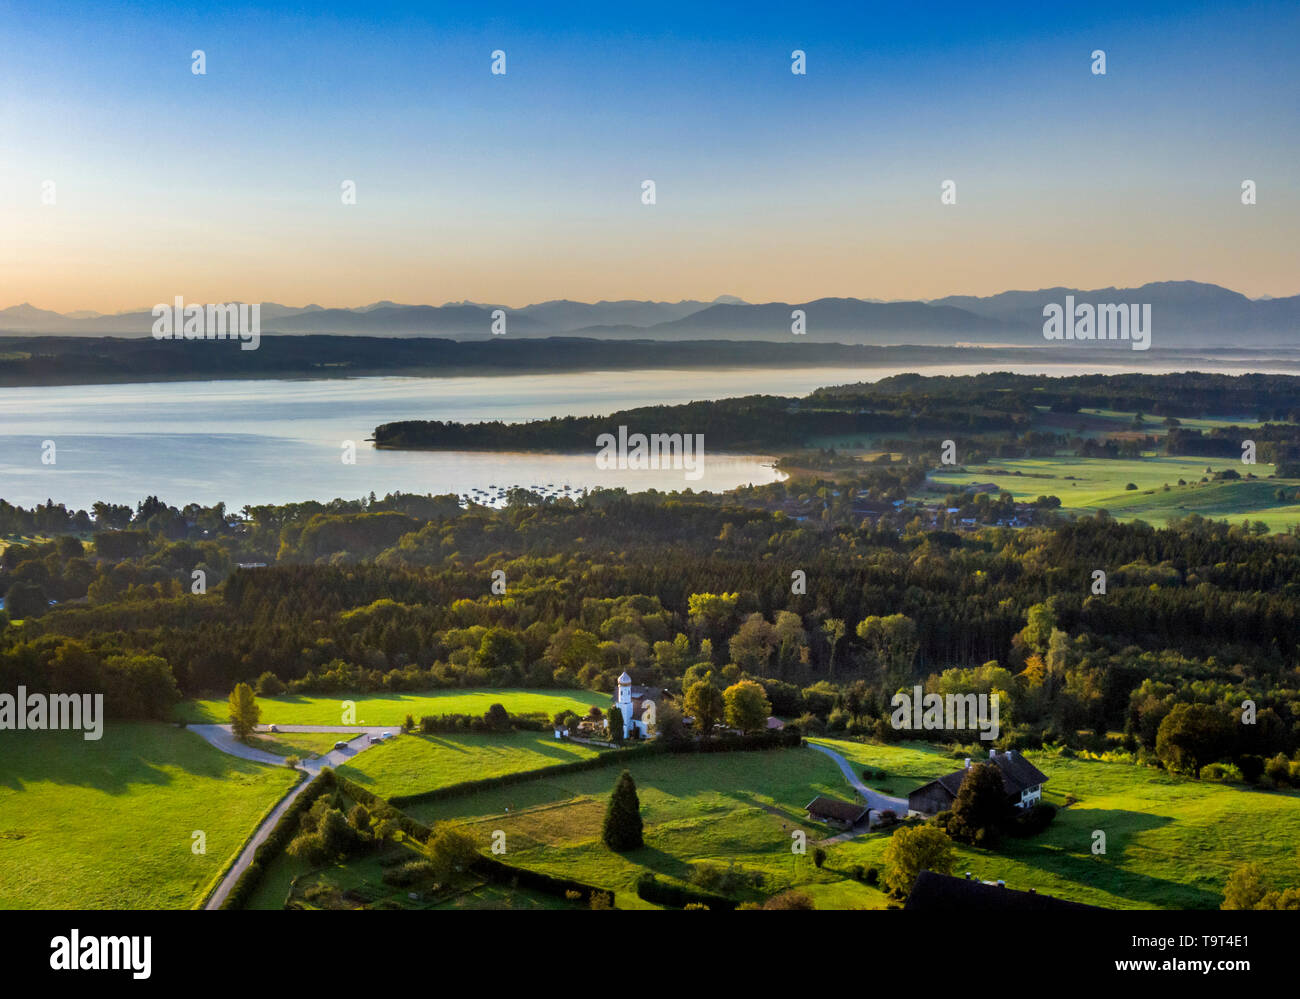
[(993, 754), (968, 763), (1010, 753), (968, 875), (1001, 883)]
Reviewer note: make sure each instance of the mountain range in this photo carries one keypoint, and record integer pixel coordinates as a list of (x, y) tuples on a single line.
[(1185, 314)]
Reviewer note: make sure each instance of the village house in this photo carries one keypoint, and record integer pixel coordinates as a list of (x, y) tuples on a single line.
[(1022, 781), (834, 812)]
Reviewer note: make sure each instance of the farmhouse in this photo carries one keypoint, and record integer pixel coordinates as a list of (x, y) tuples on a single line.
[(832, 811), (639, 707), (1022, 780)]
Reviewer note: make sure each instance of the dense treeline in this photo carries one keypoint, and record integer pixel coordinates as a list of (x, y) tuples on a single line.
[(1185, 394), (830, 614), (68, 360), (988, 416)]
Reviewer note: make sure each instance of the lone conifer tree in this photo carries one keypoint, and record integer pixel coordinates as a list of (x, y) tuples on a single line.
[(622, 829)]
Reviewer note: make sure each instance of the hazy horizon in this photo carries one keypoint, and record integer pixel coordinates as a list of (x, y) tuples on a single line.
[(526, 187)]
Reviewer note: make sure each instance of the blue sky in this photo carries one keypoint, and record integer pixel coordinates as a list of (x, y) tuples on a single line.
[(526, 186)]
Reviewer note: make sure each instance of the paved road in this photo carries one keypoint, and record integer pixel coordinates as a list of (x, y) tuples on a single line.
[(221, 737), (874, 799)]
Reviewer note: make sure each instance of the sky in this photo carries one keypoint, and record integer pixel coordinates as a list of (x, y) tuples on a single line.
[(527, 186)]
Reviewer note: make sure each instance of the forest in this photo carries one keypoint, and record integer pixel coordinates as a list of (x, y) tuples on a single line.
[(1195, 621), (997, 414)]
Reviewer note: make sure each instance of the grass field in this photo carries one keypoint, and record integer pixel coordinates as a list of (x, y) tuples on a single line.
[(302, 744), (717, 807), (1085, 485), (392, 709), (109, 824), (414, 763), (1170, 842)]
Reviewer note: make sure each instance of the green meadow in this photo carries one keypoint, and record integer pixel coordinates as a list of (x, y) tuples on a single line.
[(301, 744), (413, 763), (109, 824), (392, 709), (1085, 485), (1170, 843), (723, 807)]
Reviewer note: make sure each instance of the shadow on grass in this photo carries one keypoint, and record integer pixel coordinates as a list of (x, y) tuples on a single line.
[(1066, 853), (659, 862), (130, 754)]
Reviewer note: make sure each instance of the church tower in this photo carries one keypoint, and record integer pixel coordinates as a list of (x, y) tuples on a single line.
[(625, 702)]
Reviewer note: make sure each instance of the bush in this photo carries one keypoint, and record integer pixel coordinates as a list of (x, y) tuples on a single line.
[(811, 724), (1278, 770), (521, 877), (269, 685), (792, 899), (1226, 772), (409, 873), (719, 880), (651, 889), (1032, 821), (873, 876), (1251, 767), (819, 856)]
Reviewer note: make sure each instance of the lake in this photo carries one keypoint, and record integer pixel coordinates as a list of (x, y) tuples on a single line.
[(277, 441)]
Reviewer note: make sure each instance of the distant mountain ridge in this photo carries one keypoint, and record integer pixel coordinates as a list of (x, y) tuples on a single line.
[(1185, 314)]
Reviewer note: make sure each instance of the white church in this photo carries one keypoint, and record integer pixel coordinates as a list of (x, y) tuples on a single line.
[(638, 705)]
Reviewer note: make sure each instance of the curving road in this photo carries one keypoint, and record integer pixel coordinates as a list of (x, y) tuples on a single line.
[(874, 799), (220, 736)]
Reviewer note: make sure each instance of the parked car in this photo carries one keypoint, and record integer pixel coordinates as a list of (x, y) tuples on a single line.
[(375, 738), (273, 728), (340, 745), (387, 735)]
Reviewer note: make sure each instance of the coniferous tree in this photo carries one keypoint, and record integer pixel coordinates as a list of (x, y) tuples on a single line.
[(622, 830)]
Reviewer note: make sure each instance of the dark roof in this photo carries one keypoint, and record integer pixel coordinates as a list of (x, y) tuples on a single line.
[(942, 893), (643, 694), (1018, 774), (833, 808)]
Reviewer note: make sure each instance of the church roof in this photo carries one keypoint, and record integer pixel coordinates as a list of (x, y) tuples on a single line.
[(625, 678)]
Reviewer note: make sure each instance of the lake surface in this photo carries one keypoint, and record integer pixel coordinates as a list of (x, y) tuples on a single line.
[(277, 441)]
